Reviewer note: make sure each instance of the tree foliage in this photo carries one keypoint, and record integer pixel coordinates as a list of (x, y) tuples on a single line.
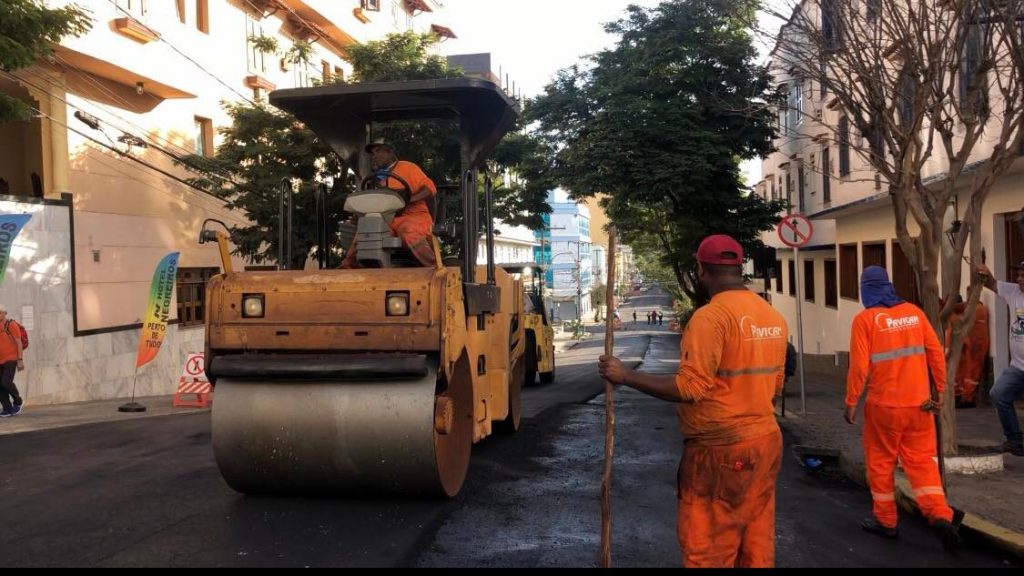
[(28, 31), (660, 123), (263, 145)]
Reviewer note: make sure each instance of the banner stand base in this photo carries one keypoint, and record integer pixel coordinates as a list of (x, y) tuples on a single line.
[(131, 407)]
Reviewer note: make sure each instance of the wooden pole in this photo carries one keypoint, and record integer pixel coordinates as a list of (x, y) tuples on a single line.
[(609, 406)]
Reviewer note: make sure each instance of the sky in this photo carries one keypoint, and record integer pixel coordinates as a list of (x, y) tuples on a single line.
[(531, 40)]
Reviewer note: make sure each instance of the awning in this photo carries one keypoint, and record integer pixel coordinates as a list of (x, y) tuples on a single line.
[(420, 5), (442, 31)]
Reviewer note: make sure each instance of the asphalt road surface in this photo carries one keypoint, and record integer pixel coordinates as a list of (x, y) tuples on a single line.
[(148, 493)]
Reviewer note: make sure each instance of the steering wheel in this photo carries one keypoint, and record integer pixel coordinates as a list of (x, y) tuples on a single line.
[(406, 191)]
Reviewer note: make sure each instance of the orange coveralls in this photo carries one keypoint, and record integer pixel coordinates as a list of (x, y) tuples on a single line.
[(893, 350), (733, 356), (973, 355), (415, 225)]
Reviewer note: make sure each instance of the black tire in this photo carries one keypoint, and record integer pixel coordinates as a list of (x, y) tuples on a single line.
[(530, 360), (548, 377), (511, 423)]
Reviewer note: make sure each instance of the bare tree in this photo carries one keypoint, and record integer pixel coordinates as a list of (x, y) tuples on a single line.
[(928, 83)]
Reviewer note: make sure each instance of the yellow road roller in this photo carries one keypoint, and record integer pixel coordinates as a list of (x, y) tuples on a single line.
[(539, 358), (375, 380)]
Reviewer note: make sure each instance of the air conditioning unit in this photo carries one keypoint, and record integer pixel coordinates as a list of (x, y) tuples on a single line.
[(818, 113)]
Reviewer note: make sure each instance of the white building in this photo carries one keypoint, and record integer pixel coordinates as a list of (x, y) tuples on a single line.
[(854, 227), (571, 269)]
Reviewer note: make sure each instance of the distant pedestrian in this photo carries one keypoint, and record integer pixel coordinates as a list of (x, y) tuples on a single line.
[(649, 317), (893, 352), (11, 362), (634, 317), (1010, 384), (661, 319), (731, 366)]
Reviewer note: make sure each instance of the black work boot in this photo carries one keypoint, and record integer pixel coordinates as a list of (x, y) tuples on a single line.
[(875, 527), (1015, 447), (948, 534)]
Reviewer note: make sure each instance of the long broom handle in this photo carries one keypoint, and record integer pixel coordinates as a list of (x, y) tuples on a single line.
[(609, 407)]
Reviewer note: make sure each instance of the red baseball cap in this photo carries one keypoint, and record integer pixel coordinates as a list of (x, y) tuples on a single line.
[(720, 249)]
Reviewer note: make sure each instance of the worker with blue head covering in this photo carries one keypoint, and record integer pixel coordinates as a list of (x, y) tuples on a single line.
[(876, 289), (894, 353)]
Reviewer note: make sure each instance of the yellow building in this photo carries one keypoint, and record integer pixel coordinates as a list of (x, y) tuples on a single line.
[(95, 167)]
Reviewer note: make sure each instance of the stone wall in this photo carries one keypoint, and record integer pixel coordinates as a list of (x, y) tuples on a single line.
[(61, 367)]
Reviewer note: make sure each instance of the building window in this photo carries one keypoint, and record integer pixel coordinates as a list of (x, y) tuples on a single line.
[(831, 33), (831, 290), (257, 59), (844, 146), (823, 69), (903, 278), (908, 91), (809, 280), (795, 106), (874, 255), (339, 74), (849, 274), (203, 136), (774, 193), (325, 71), (778, 276), (826, 176), (789, 193), (874, 8), (370, 5), (801, 179), (191, 284), (792, 277), (203, 16), (136, 7), (970, 62)]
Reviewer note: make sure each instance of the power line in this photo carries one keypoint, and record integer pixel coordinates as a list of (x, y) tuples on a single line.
[(124, 154), (155, 146)]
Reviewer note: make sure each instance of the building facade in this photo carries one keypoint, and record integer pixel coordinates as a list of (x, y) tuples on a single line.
[(820, 168), (115, 110), (567, 250)]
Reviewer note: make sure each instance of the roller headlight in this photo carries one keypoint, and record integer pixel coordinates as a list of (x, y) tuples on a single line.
[(252, 306), (397, 304)]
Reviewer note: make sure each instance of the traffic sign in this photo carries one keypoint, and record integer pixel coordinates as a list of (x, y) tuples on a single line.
[(795, 230)]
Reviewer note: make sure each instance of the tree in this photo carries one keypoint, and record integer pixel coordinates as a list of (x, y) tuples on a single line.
[(660, 123), (28, 30), (931, 81), (263, 146)]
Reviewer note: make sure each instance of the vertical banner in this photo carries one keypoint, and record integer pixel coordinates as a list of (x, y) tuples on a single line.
[(10, 226), (154, 324)]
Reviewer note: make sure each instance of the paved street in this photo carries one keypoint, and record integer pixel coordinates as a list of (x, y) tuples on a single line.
[(147, 493)]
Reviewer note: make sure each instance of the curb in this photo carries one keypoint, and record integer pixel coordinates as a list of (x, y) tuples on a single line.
[(1002, 538), (998, 536)]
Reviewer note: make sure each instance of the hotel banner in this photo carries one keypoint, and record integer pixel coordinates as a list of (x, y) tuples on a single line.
[(10, 226), (154, 324)]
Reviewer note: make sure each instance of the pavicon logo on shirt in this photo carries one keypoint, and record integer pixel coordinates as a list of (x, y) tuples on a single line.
[(752, 331), (887, 323)]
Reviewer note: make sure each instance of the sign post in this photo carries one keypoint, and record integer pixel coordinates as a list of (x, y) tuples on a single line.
[(795, 231)]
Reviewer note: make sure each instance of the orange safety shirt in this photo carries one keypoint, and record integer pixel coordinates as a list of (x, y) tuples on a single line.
[(9, 342), (733, 358), (893, 350), (416, 179)]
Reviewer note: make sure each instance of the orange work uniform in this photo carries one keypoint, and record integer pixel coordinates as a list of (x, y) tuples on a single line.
[(415, 225), (973, 354), (895, 351), (733, 356)]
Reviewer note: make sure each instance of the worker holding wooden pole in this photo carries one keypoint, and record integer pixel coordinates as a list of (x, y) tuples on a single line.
[(732, 361)]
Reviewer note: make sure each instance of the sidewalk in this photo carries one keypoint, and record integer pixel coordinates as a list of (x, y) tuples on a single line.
[(992, 501), (51, 416)]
